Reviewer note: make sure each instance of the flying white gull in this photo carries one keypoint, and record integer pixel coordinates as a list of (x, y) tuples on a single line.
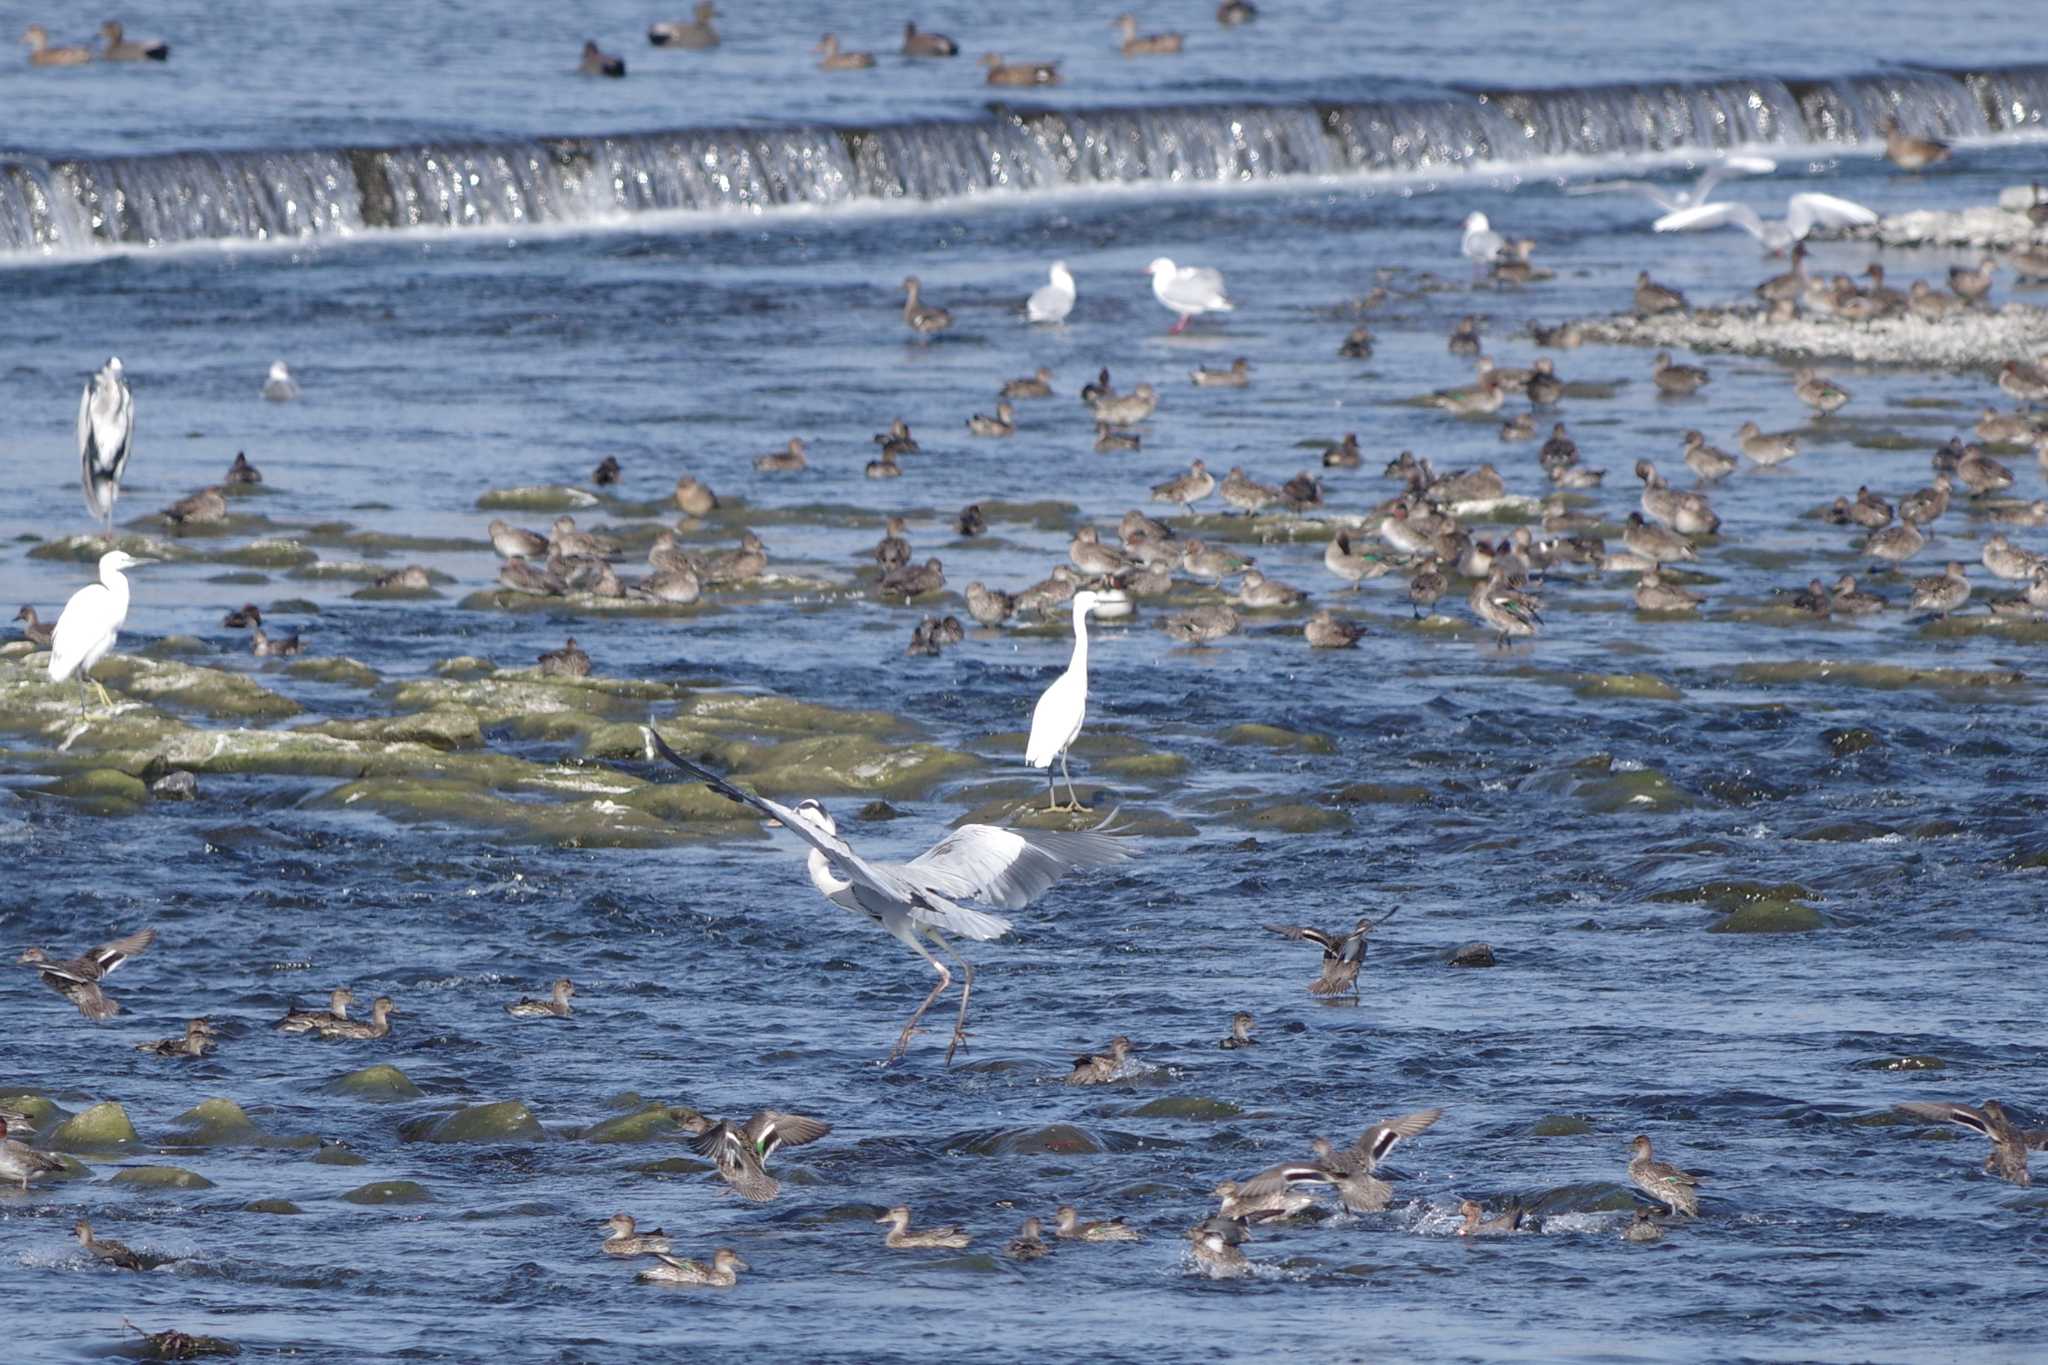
[(1672, 198), (1803, 213)]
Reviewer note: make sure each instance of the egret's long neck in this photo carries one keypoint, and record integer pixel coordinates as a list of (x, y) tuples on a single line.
[(116, 582), (1080, 662)]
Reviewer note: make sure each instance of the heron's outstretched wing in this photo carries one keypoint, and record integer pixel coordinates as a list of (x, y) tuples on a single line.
[(849, 865), (1721, 213), (1004, 868), (1805, 212)]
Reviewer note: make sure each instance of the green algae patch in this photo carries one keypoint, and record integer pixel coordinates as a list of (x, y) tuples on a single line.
[(87, 549), (1295, 817), (655, 1121), (343, 671), (100, 791), (443, 727), (39, 1110), (209, 691), (1143, 767), (1185, 1107), (1641, 686), (1380, 794), (1881, 677), (1560, 1125), (335, 1154), (283, 1206), (852, 764), (379, 1084), (175, 647), (270, 552), (597, 822), (1771, 917), (1056, 1139), (783, 717), (162, 1178), (215, 1122), (1274, 737), (390, 1192), (464, 666), (536, 497), (679, 1165), (502, 1121), (103, 1127), (1607, 789)]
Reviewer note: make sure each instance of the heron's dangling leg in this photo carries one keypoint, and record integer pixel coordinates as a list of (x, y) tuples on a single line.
[(945, 980), (966, 991)]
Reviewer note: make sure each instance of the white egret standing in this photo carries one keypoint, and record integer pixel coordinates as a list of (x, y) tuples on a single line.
[(86, 628), (280, 387), (917, 900), (1803, 213), (1056, 720), (1052, 302), (106, 429), (1188, 290)]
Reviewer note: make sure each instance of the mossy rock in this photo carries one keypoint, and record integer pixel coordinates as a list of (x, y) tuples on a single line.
[(176, 646), (1772, 917), (678, 1165), (1560, 1125), (1843, 743), (852, 764), (464, 666), (1731, 894), (443, 727), (284, 1206), (334, 1154), (1632, 790), (269, 552), (784, 717), (103, 1127), (1637, 685), (600, 822), (162, 1178), (39, 1110), (390, 1192), (1143, 767), (1274, 737), (1055, 1139), (346, 672), (655, 1121), (379, 1084), (1380, 794), (1883, 677), (536, 497), (100, 791), (87, 549), (1296, 817), (211, 1123), (209, 691), (1186, 1107), (501, 1121)]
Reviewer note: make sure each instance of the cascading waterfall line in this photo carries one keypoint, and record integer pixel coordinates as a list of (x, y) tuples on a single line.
[(82, 205)]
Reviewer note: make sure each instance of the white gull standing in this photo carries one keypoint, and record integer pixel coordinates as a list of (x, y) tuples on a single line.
[(280, 387), (1052, 302), (106, 432), (916, 900), (1482, 244), (1803, 213), (1056, 720), (1189, 290)]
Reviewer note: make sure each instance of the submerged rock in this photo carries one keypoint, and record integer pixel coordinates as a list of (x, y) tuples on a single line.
[(389, 1192), (1471, 955), (380, 1083), (44, 1113), (1057, 1139), (216, 1122), (1560, 1125), (654, 1121), (1185, 1107), (162, 1178), (101, 791), (1771, 917), (502, 1121), (284, 1206), (1274, 737), (100, 1128)]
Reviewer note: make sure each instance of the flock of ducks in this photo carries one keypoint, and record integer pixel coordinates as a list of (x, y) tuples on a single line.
[(699, 34)]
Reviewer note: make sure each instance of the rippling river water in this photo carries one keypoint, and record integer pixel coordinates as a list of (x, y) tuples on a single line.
[(1595, 804)]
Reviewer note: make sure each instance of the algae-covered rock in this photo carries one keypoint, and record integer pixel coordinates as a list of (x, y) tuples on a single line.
[(1471, 955), (210, 691), (1560, 1125), (679, 1165), (1056, 1139), (1771, 917), (857, 764), (284, 1206), (1884, 677), (338, 1154), (162, 1178), (1143, 767), (1380, 794), (42, 1113), (1631, 789), (1295, 817), (1637, 685), (99, 1128), (443, 727), (502, 1121), (346, 672), (540, 497), (599, 822), (380, 1083), (1274, 737), (1186, 1107), (101, 791), (655, 1121), (175, 646), (464, 666), (389, 1192), (215, 1122)]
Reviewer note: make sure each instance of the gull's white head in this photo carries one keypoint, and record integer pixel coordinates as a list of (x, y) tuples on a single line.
[(114, 364), (278, 370), (816, 816), (1161, 265), (1475, 222)]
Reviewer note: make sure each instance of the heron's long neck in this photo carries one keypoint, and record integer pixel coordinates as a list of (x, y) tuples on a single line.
[(1080, 661)]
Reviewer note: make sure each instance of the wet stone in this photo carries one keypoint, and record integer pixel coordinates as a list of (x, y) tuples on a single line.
[(162, 1178), (1274, 737), (101, 791), (382, 1082), (100, 1128), (389, 1192), (281, 1206), (1058, 1139), (1471, 955), (1844, 742), (502, 1121), (655, 1121), (1185, 1107)]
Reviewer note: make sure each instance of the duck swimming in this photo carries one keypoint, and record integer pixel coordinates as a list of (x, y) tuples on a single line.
[(297, 1020), (901, 1238), (832, 59), (1029, 1243), (697, 36), (1327, 630), (917, 44), (40, 53), (196, 1041), (1241, 1025), (115, 1254), (923, 318), (556, 1006), (624, 1238), (1068, 1227), (567, 662), (1216, 1241), (722, 1273), (116, 46), (1477, 1224), (37, 631), (1145, 45), (1102, 1068), (1001, 72), (597, 62), (378, 1025)]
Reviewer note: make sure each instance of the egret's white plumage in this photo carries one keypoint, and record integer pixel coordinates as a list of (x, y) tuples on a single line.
[(1188, 290), (106, 430), (920, 899), (280, 387), (1056, 720), (1482, 243), (1052, 302), (1672, 198), (1803, 213), (86, 629)]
